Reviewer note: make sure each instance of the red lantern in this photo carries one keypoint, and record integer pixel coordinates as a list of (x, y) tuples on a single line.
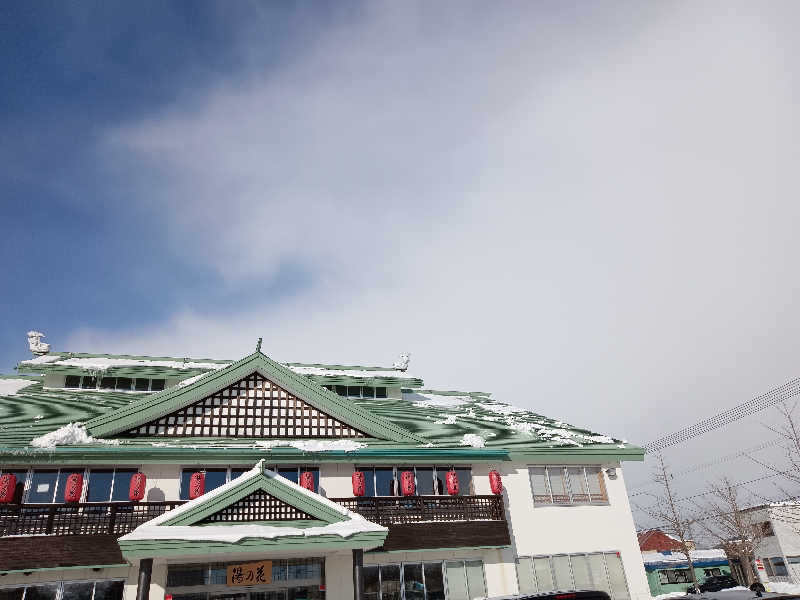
[(359, 484), (495, 482), (8, 485), (407, 483), (73, 488), (136, 489), (307, 480), (197, 485), (452, 483)]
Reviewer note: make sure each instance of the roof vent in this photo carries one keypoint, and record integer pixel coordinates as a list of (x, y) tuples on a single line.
[(402, 362), (35, 343)]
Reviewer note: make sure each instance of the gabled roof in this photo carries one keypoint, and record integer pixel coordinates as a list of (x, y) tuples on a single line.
[(175, 398), (184, 530)]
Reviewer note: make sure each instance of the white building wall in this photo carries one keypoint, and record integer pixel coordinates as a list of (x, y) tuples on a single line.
[(544, 530)]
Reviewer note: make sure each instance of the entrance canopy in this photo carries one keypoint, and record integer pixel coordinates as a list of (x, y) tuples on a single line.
[(258, 511)]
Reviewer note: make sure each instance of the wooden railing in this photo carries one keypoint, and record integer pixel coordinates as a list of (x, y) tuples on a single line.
[(119, 518), (112, 518), (392, 510)]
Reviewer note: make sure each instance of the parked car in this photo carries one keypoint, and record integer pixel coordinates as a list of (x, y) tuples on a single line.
[(715, 583)]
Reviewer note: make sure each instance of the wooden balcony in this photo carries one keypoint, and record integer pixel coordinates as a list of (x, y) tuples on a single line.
[(414, 522), (84, 518), (397, 510), (426, 522)]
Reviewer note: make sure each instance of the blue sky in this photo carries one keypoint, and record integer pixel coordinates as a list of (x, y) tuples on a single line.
[(71, 70), (587, 209)]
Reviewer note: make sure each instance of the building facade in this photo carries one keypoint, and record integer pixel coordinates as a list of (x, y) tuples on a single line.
[(778, 553), (668, 571), (189, 479)]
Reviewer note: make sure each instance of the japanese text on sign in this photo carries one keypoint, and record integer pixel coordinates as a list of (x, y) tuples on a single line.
[(250, 573)]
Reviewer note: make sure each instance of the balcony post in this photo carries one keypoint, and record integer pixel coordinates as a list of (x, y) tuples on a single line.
[(145, 573), (358, 573)]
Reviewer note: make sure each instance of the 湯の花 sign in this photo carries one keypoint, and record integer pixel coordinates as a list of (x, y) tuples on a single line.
[(250, 573)]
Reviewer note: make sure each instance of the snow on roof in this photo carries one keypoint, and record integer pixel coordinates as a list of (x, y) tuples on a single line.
[(651, 558), (101, 363), (104, 362), (155, 530), (368, 373), (68, 435), (9, 387)]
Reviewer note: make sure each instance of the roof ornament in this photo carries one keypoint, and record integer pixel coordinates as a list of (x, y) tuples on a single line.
[(258, 345), (402, 361), (35, 343)]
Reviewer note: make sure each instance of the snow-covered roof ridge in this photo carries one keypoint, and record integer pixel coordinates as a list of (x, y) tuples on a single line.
[(102, 362), (156, 530)]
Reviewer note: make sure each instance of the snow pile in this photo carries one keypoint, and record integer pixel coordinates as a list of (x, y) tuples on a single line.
[(72, 433), (670, 595), (191, 380), (782, 587), (450, 420), (9, 387), (474, 440), (313, 445), (440, 401), (155, 530)]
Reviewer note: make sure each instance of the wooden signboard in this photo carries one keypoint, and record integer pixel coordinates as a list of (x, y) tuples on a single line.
[(250, 573)]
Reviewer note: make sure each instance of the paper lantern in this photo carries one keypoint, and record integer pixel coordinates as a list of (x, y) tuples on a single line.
[(137, 487), (495, 482), (197, 485), (359, 484), (73, 488), (452, 483), (307, 480), (8, 485), (407, 483)]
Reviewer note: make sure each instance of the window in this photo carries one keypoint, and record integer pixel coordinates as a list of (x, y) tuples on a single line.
[(600, 571), (768, 567), (356, 391), (567, 485), (674, 576), (47, 485), (109, 485), (424, 581), (295, 569), (430, 481), (220, 476), (123, 384), (712, 572), (779, 566), (66, 590), (793, 560)]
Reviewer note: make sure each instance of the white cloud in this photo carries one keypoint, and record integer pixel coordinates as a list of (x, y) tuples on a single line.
[(588, 213)]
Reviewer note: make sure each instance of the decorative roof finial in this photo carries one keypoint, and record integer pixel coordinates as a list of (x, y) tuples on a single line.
[(402, 362), (35, 343), (258, 345)]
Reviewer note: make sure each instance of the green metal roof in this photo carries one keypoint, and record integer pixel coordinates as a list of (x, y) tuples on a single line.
[(446, 426)]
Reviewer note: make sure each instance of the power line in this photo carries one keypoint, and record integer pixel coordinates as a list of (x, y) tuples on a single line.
[(780, 394), (712, 463)]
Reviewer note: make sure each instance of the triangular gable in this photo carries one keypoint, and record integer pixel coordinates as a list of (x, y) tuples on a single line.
[(176, 398), (199, 526), (253, 407), (258, 506)]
